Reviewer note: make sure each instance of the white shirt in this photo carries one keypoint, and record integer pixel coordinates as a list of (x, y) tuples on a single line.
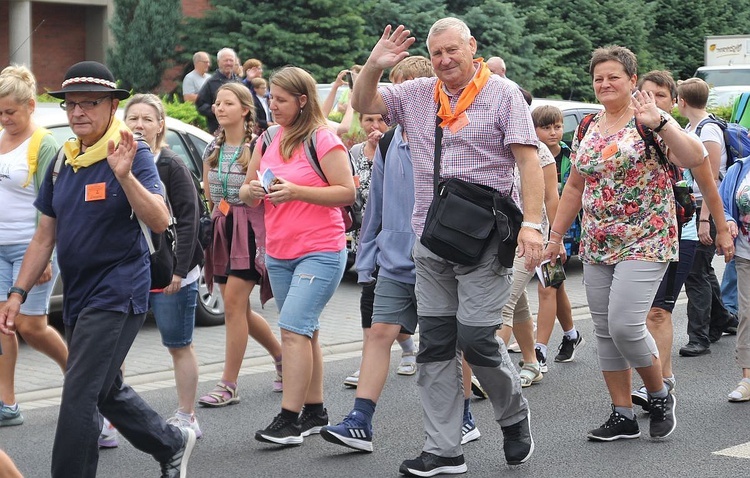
[(18, 214)]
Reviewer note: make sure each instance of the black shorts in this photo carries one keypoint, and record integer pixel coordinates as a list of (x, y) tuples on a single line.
[(687, 253), (250, 274)]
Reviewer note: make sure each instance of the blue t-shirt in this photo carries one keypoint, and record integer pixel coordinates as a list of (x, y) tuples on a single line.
[(103, 257)]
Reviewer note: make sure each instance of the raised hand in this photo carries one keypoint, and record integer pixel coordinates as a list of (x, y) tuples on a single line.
[(391, 48), (645, 108), (120, 157)]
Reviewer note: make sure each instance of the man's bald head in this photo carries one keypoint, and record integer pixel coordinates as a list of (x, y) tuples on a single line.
[(496, 65)]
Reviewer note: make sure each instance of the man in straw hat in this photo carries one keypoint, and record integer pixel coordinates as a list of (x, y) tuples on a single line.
[(89, 206)]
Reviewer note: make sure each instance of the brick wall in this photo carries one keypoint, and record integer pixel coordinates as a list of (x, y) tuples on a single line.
[(58, 43), (195, 8)]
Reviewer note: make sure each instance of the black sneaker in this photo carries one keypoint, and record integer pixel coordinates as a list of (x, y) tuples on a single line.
[(734, 322), (281, 432), (517, 441), (310, 422), (615, 428), (662, 420), (568, 348), (428, 464), (542, 360), (176, 467)]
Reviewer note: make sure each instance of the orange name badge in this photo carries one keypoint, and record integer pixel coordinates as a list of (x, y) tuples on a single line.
[(356, 181), (457, 125), (96, 192), (224, 207), (610, 151)]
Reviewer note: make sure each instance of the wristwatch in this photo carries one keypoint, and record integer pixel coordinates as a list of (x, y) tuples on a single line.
[(662, 123), (19, 291), (532, 225)]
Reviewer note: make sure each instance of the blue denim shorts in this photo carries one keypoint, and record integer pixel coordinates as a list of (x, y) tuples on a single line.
[(303, 286), (37, 302), (175, 315)]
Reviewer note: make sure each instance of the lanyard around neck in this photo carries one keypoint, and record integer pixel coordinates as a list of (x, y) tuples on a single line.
[(225, 179)]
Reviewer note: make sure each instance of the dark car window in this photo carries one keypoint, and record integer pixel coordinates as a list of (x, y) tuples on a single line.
[(178, 145)]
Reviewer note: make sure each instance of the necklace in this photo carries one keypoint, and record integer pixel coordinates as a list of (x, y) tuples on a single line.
[(606, 117)]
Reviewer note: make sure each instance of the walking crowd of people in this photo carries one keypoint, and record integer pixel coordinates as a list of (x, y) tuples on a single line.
[(433, 256)]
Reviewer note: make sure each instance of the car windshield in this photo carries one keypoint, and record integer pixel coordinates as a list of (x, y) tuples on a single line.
[(725, 77)]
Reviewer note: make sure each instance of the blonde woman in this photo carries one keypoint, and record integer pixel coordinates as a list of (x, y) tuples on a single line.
[(235, 258), (306, 246), (25, 151)]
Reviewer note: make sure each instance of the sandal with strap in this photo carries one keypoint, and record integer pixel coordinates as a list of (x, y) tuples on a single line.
[(221, 396), (530, 373), (741, 393), (407, 367)]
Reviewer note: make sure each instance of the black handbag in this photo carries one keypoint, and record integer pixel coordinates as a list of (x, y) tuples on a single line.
[(463, 217)]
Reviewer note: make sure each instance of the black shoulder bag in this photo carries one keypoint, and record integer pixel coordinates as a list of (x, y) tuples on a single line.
[(463, 216)]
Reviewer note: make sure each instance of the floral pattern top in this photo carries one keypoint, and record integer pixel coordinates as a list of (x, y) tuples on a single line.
[(628, 203)]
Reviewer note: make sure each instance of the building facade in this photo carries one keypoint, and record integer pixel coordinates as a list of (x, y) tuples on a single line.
[(50, 35)]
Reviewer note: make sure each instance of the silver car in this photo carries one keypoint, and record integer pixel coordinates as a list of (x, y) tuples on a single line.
[(185, 140)]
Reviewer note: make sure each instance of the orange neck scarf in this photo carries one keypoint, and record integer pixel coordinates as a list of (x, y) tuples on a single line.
[(467, 96)]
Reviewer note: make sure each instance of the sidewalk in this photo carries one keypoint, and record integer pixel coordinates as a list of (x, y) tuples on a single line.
[(37, 377)]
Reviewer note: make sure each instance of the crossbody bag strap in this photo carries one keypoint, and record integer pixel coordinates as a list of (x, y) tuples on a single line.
[(438, 151)]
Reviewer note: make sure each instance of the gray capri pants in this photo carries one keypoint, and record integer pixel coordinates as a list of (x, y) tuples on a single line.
[(619, 298), (517, 310)]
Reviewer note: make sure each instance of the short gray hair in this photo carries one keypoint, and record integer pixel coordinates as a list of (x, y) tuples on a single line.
[(226, 51), (449, 23)]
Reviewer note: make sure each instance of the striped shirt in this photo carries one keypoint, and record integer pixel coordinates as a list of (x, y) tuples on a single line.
[(478, 153)]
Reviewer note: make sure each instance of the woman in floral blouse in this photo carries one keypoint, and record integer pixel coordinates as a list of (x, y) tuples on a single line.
[(629, 233)]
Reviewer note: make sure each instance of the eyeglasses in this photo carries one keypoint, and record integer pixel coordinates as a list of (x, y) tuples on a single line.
[(84, 105)]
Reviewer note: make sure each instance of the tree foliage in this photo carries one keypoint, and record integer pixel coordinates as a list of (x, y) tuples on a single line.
[(146, 33), (546, 44), (318, 35)]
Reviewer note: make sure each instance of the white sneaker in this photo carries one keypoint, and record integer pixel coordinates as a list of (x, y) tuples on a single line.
[(181, 422), (352, 380), (108, 438), (514, 347)]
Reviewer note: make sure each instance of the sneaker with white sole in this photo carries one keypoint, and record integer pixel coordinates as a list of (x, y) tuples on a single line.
[(281, 432), (518, 443), (176, 467), (428, 464), (10, 416), (353, 432), (567, 349), (542, 360), (108, 438), (182, 421), (352, 380), (311, 422), (615, 428), (513, 347), (469, 430), (662, 419), (640, 396)]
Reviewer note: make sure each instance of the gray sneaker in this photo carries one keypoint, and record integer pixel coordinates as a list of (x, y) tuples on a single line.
[(640, 396), (176, 467)]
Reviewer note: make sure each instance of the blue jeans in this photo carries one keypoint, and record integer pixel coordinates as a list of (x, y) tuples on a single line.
[(728, 287), (37, 302), (303, 286), (175, 315)]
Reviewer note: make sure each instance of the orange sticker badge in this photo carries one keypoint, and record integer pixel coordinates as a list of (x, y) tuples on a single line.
[(356, 181), (224, 207), (96, 192), (610, 151), (460, 122)]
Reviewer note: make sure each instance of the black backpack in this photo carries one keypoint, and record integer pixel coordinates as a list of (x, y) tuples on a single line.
[(161, 247)]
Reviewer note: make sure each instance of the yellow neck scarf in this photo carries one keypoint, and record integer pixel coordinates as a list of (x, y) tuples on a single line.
[(94, 153), (467, 96)]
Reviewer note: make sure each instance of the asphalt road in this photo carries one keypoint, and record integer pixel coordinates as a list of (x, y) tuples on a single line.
[(570, 400)]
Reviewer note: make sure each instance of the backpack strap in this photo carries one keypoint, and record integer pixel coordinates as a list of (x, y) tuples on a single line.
[(385, 142), (584, 126), (35, 145), (647, 135), (723, 125)]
